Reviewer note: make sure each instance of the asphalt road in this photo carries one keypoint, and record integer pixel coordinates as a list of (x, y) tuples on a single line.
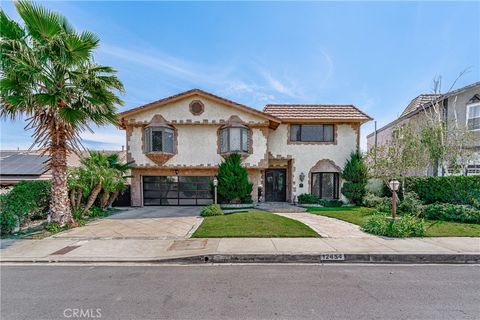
[(241, 292)]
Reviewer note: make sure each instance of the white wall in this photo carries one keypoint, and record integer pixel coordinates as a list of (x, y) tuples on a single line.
[(305, 156)]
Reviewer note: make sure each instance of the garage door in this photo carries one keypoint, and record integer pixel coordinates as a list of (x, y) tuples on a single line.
[(176, 190)]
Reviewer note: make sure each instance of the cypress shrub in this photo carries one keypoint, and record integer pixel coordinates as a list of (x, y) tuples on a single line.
[(356, 175), (233, 184)]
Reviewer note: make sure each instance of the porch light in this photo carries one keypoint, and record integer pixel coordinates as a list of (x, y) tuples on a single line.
[(394, 185), (302, 176), (215, 185)]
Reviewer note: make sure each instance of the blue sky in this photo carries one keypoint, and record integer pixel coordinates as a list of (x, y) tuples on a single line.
[(376, 55)]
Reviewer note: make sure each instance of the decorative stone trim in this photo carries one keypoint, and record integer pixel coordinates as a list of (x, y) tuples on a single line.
[(324, 165), (159, 157), (196, 107), (133, 123), (334, 142)]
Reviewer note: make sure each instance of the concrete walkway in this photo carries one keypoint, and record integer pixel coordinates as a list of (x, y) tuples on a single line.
[(57, 249), (327, 227)]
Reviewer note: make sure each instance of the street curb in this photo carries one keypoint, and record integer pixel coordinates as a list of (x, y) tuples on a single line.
[(283, 258), (324, 258)]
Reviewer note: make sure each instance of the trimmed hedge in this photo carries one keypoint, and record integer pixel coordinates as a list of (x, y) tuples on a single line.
[(451, 189)]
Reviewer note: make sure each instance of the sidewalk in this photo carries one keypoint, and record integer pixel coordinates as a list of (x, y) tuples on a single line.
[(137, 250)]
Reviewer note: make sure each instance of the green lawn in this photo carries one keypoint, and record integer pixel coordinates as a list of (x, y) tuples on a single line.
[(358, 216), (255, 224)]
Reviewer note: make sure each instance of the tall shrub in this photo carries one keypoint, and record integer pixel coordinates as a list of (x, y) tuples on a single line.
[(356, 175), (27, 199), (233, 184)]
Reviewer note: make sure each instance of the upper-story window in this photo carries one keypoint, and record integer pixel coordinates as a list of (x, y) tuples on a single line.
[(234, 139), (473, 116), (312, 132), (159, 139)]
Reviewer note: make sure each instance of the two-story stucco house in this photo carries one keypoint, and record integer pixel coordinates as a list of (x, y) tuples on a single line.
[(177, 144), (460, 106)]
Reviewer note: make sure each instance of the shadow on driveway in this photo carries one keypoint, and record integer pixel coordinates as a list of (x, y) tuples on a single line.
[(156, 212)]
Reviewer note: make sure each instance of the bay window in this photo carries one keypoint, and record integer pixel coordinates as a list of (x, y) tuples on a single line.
[(234, 139), (159, 139)]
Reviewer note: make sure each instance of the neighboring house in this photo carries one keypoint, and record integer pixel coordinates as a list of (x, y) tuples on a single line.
[(462, 105), (177, 144), (19, 165)]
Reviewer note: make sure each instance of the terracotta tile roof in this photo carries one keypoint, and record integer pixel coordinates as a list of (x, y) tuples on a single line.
[(330, 112), (418, 101)]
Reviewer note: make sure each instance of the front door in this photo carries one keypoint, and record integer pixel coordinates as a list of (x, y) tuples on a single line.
[(276, 185)]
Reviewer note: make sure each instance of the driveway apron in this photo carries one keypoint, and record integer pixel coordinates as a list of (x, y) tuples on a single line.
[(140, 223)]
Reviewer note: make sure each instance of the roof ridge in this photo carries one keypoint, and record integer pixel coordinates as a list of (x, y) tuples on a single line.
[(203, 92)]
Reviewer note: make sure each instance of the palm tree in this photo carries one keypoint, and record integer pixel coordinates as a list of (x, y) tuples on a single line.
[(49, 75)]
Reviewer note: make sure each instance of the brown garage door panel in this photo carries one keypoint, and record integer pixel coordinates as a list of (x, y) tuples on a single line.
[(176, 190)]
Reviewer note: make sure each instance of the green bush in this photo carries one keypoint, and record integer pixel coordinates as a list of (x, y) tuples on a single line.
[(233, 184), (451, 189), (355, 174), (372, 201), (306, 198), (451, 212), (407, 226), (53, 227), (26, 200), (211, 210), (410, 204), (97, 212)]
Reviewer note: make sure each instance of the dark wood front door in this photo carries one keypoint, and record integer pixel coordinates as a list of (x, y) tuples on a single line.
[(276, 185)]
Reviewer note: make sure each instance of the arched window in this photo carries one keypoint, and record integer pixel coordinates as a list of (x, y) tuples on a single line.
[(234, 139)]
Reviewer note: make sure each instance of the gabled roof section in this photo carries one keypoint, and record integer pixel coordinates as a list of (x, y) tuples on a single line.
[(201, 93), (418, 101), (317, 112)]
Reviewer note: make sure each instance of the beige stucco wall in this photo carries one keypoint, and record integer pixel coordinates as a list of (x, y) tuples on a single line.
[(305, 156), (179, 111), (197, 146), (197, 136)]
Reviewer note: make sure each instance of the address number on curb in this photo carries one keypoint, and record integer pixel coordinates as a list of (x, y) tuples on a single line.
[(332, 256)]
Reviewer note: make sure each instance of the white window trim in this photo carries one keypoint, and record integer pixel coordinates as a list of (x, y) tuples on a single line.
[(476, 104)]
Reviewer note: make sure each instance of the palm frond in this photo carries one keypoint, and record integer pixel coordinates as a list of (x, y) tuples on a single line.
[(42, 24), (9, 29)]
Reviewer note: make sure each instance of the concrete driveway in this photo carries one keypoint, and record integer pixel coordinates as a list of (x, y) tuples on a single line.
[(141, 223)]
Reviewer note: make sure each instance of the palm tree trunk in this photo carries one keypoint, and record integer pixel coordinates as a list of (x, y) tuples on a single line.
[(72, 199), (113, 197), (79, 198), (93, 196), (104, 199), (59, 206)]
